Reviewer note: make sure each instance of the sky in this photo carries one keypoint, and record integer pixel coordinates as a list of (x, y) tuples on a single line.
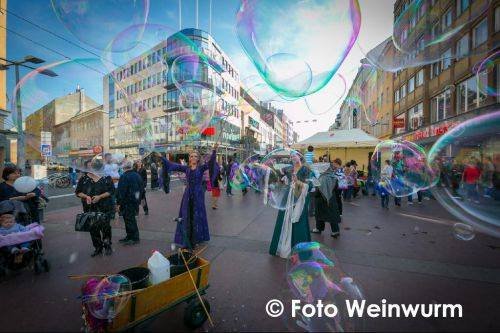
[(85, 38)]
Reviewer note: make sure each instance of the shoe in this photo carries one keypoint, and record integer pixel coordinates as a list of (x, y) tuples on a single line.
[(25, 249), (316, 231), (108, 251), (214, 208), (132, 242), (96, 253), (146, 212), (123, 240), (335, 234), (15, 250)]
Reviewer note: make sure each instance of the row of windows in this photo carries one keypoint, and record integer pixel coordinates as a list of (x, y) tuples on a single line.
[(225, 85), (146, 83), (469, 94), (144, 105), (147, 61), (415, 81)]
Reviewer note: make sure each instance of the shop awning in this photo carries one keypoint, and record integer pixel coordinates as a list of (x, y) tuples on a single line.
[(339, 139)]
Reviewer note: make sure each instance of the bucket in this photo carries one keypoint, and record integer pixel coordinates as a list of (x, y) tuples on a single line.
[(138, 276), (177, 266)]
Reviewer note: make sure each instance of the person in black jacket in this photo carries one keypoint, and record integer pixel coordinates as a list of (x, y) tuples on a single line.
[(129, 191), (141, 170), (95, 192), (166, 176)]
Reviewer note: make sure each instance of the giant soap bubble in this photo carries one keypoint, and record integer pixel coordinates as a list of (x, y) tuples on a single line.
[(469, 159), (314, 274), (401, 167), (285, 178), (96, 22), (107, 298), (290, 42)]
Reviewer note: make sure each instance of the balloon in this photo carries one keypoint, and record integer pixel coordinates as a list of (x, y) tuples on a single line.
[(25, 184)]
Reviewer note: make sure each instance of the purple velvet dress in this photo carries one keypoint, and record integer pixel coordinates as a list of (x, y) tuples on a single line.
[(193, 228)]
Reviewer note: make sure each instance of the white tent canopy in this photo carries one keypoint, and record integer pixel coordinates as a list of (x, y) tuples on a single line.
[(339, 139)]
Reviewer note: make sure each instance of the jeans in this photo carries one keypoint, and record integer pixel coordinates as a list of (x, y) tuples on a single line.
[(384, 201), (72, 176), (471, 191)]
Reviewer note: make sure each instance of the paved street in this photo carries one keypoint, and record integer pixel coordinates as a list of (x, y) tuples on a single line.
[(405, 255)]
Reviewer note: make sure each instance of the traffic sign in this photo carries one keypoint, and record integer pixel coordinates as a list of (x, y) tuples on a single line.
[(46, 150)]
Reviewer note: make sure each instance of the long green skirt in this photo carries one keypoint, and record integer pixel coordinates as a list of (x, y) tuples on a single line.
[(300, 229)]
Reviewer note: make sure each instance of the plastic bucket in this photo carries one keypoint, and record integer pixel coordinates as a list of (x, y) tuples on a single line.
[(138, 276)]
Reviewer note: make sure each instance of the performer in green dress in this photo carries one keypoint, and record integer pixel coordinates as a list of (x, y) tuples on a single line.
[(292, 224)]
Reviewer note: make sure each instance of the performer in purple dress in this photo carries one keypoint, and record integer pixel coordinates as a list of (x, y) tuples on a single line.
[(193, 226)]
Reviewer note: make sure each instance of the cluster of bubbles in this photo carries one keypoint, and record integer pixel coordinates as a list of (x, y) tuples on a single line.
[(469, 183), (313, 273), (106, 298), (275, 175), (401, 168)]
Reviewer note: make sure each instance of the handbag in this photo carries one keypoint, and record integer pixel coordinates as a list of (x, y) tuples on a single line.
[(87, 221)]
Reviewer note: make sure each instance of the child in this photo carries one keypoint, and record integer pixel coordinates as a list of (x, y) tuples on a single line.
[(384, 194), (8, 226)]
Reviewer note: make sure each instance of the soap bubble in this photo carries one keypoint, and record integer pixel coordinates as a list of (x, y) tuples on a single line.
[(463, 232), (469, 158), (410, 171), (483, 69), (333, 93), (314, 273), (251, 173), (289, 42), (280, 190), (96, 23), (108, 297), (25, 184)]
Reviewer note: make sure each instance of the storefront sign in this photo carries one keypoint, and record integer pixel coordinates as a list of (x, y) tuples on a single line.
[(398, 122), (254, 123)]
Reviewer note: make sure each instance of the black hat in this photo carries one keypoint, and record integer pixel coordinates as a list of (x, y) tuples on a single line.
[(7, 207)]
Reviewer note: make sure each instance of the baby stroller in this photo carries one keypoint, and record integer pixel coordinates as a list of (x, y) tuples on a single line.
[(15, 261)]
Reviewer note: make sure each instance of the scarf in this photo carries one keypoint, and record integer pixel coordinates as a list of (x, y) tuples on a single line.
[(327, 182), (292, 215)]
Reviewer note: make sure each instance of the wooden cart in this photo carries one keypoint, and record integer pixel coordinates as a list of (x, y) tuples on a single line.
[(155, 299)]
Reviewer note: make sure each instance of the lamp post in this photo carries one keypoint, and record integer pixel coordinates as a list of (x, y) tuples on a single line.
[(20, 134)]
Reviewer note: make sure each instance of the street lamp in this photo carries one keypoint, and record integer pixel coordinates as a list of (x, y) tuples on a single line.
[(20, 134)]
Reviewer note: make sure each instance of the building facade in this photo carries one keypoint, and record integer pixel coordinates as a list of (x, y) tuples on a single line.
[(45, 119), (5, 152), (430, 99), (145, 83)]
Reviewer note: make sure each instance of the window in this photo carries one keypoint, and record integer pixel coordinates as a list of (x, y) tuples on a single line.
[(420, 77), (416, 116), (403, 91), (396, 96), (411, 84), (463, 47), (435, 69), (440, 106), (446, 62), (497, 19), (480, 33), (446, 20), (462, 5)]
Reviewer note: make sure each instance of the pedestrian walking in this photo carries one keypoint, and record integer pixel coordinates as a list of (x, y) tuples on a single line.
[(227, 171), (192, 227), (141, 170), (384, 194), (214, 176), (154, 176), (327, 210), (470, 180), (128, 197), (72, 170), (95, 192), (165, 174), (341, 182)]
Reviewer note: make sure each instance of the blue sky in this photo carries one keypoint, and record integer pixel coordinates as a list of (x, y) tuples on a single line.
[(376, 26)]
